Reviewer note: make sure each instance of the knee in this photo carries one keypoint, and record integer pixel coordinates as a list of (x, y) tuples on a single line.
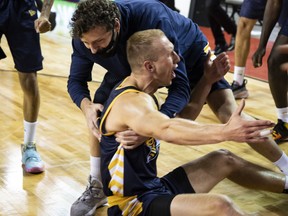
[(273, 61), (225, 158), (223, 205), (244, 28), (28, 82)]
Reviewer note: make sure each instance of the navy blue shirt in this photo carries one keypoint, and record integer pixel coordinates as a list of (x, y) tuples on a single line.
[(137, 15)]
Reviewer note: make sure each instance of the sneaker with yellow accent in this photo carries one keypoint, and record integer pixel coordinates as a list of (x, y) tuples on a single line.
[(91, 199), (280, 132), (31, 160)]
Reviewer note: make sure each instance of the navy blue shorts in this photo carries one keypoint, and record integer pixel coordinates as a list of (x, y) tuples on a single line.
[(284, 13), (176, 182), (284, 28), (157, 201), (253, 9), (283, 20), (17, 24)]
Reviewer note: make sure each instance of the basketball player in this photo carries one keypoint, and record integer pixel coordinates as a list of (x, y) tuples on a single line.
[(278, 82), (251, 11), (130, 176)]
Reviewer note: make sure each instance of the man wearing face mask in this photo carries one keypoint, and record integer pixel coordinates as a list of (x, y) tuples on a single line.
[(100, 30)]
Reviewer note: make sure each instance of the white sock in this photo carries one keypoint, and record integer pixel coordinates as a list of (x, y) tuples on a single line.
[(282, 163), (95, 167), (239, 73), (282, 113), (29, 131)]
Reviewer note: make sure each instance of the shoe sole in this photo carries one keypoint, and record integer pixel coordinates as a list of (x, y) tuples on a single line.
[(241, 95), (34, 170), (279, 141), (100, 204)]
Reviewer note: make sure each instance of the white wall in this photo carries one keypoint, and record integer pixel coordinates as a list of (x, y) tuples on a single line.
[(183, 6)]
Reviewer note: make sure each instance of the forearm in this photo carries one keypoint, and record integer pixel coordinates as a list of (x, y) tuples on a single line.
[(84, 104), (47, 5), (182, 132), (175, 130), (197, 100), (80, 74), (78, 91)]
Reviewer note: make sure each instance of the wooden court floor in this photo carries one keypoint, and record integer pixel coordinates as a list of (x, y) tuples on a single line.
[(63, 143)]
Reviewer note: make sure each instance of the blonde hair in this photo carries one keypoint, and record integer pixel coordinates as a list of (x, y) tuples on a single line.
[(141, 47)]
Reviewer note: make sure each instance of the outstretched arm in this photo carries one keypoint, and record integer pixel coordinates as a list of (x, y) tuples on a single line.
[(42, 24), (271, 15), (140, 115)]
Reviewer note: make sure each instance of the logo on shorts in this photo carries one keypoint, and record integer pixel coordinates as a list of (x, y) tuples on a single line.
[(32, 12), (153, 145)]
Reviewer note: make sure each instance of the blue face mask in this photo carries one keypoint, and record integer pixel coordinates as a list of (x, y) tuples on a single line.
[(110, 50)]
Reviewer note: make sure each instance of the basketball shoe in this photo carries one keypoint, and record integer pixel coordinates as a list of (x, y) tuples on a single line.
[(280, 132), (91, 199), (31, 160), (239, 91)]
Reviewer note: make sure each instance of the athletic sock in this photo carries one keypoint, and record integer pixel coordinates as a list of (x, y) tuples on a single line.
[(29, 131), (282, 113), (239, 73), (95, 168), (282, 163)]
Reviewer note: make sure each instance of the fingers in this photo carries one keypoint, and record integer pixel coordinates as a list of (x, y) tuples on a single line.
[(265, 133), (259, 124), (260, 136), (99, 107), (223, 60), (96, 132), (208, 56), (129, 139), (42, 26), (257, 61)]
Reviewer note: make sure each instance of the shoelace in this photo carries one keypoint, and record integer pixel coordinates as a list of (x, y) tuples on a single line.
[(30, 153), (90, 192)]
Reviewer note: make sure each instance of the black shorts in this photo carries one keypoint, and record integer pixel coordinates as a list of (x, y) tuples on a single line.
[(284, 28), (253, 9), (178, 183)]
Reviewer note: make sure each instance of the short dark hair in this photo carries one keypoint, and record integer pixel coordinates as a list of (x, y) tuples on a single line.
[(93, 13)]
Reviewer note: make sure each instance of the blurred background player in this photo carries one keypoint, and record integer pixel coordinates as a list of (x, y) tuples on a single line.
[(20, 25), (219, 18), (278, 81), (251, 11)]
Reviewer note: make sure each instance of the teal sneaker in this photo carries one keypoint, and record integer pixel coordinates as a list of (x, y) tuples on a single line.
[(31, 160)]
